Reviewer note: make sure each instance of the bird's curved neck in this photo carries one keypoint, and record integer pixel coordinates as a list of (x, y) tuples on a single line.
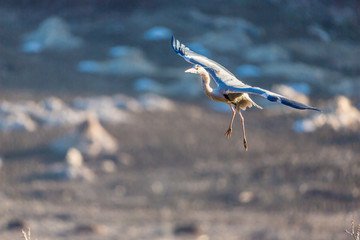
[(205, 79)]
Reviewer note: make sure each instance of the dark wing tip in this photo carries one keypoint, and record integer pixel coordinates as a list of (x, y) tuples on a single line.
[(274, 97), (312, 108), (315, 109), (297, 105), (177, 46)]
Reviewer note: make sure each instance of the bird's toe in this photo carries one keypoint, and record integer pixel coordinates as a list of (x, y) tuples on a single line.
[(228, 133)]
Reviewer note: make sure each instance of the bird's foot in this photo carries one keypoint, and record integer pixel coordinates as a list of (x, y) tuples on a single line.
[(228, 133), (245, 145)]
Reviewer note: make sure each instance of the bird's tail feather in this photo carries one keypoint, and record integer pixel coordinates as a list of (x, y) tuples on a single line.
[(254, 104)]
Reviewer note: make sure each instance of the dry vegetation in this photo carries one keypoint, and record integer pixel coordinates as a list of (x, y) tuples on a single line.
[(26, 235), (354, 234)]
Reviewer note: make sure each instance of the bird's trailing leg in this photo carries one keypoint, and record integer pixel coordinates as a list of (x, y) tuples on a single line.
[(228, 132), (243, 128)]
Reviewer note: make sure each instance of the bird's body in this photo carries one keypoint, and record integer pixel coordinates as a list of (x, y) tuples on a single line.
[(220, 95), (229, 89)]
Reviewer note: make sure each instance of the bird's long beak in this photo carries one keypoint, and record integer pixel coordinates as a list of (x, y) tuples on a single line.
[(191, 70)]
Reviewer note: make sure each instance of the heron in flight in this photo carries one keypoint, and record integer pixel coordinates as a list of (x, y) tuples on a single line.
[(229, 89)]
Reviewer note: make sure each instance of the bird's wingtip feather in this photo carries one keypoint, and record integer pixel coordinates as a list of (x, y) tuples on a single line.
[(291, 103), (173, 42), (316, 109), (177, 46)]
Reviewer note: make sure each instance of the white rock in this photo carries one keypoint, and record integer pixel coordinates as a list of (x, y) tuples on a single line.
[(124, 102), (66, 172), (72, 169), (158, 33), (88, 66), (49, 112), (152, 102), (53, 104), (92, 104), (108, 166), (53, 33), (111, 115), (148, 85), (16, 121), (55, 113), (90, 138), (81, 173), (74, 158), (125, 51), (106, 108), (339, 115), (27, 107), (246, 197)]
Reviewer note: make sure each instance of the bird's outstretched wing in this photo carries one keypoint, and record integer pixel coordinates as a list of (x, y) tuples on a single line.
[(220, 74), (225, 79), (271, 96)]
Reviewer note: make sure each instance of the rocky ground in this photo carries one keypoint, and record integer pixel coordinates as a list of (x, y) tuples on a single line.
[(103, 135)]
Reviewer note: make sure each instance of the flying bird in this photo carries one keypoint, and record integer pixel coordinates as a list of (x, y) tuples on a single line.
[(229, 89)]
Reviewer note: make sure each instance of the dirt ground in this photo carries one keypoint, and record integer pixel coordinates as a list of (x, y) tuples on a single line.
[(177, 176)]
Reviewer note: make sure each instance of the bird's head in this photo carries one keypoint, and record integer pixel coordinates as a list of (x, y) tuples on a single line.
[(196, 69)]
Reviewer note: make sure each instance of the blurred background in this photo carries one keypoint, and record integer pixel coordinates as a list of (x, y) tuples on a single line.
[(103, 135)]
